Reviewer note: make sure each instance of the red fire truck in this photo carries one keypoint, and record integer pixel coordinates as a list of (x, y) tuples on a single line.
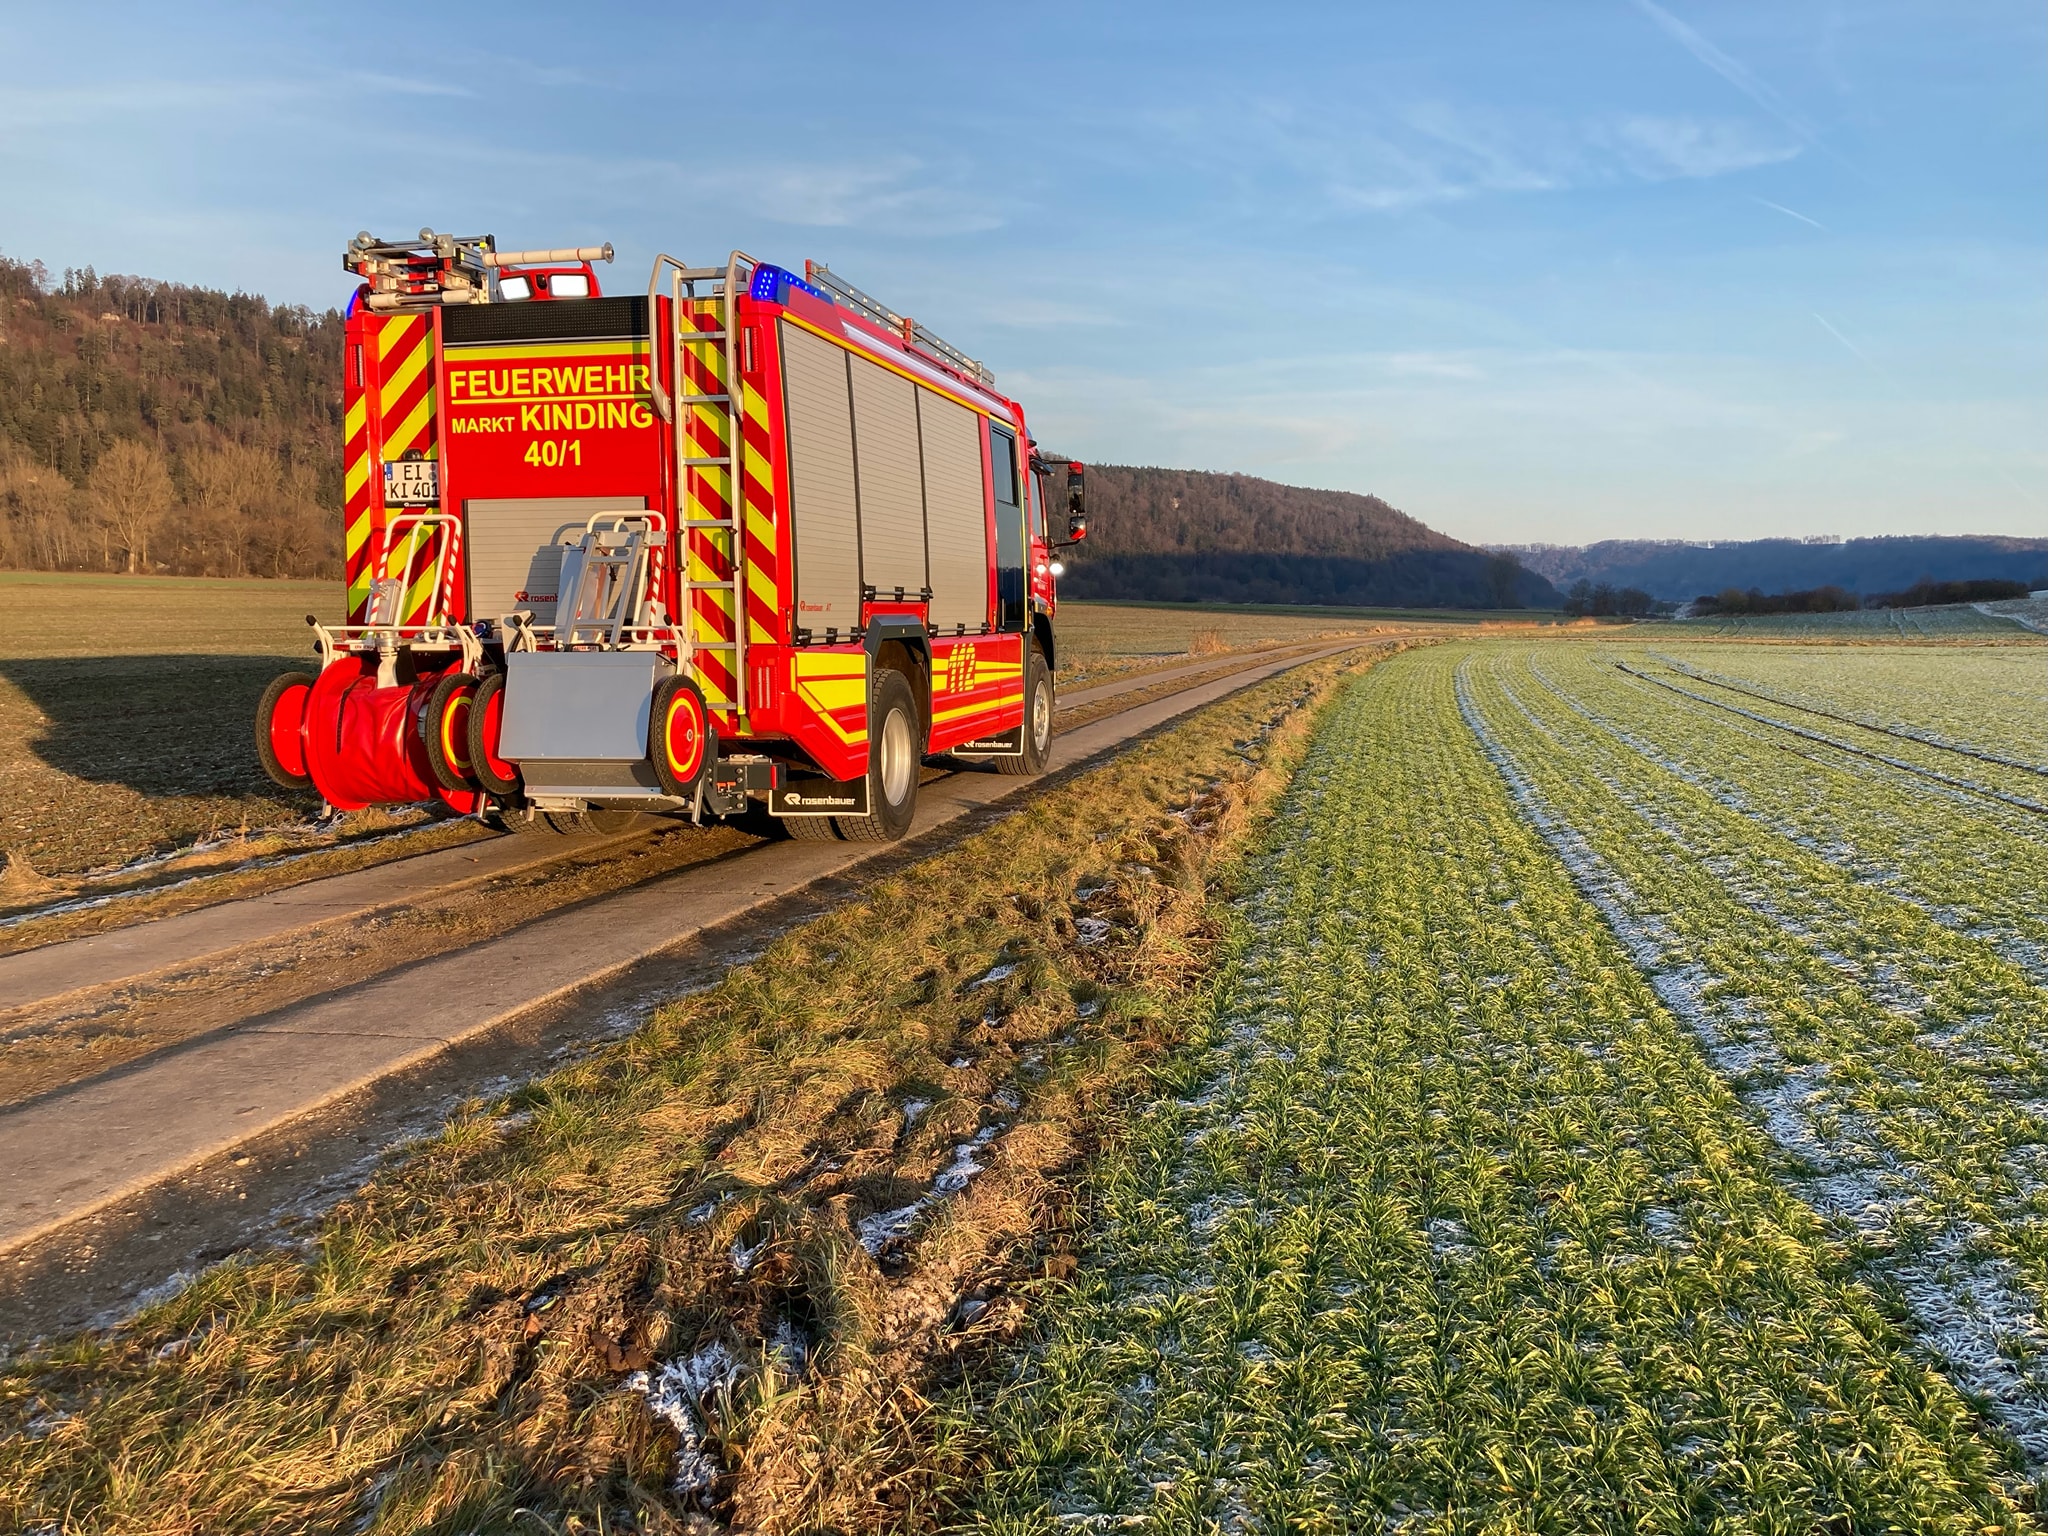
[(752, 536)]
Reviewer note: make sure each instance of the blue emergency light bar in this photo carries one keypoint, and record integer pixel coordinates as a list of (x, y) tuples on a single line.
[(772, 285)]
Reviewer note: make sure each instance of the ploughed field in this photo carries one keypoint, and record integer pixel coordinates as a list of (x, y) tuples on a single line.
[(1621, 1104)]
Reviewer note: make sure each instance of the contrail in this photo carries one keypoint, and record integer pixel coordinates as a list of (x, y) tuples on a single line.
[(1738, 75), (1855, 351), (1729, 69), (1790, 213)]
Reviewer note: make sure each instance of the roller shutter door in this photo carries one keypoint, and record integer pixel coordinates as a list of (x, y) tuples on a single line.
[(506, 547), (824, 520), (955, 513), (891, 481)]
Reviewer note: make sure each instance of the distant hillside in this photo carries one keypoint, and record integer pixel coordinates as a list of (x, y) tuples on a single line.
[(152, 425), (1676, 571), (156, 426), (1178, 535)]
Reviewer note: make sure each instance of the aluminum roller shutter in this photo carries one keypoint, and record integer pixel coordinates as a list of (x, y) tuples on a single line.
[(506, 549), (956, 513), (891, 481), (824, 520)]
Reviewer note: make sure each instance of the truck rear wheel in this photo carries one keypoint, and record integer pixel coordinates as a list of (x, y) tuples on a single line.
[(604, 823), (486, 720), (444, 726), (895, 753), (1038, 707), (281, 730), (682, 744)]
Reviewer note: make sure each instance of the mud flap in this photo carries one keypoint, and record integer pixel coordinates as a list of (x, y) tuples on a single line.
[(1008, 743), (820, 797)]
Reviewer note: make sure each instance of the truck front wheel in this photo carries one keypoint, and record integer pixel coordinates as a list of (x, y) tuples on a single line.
[(1038, 708), (895, 753)]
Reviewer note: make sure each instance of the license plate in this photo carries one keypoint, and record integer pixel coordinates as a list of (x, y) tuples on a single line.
[(412, 483)]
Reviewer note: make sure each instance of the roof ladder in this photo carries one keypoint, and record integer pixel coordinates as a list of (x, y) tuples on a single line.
[(721, 285)]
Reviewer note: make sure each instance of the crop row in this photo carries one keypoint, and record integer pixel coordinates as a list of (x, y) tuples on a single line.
[(1446, 1222), (1991, 698), (1918, 838), (1954, 621), (1893, 1057)]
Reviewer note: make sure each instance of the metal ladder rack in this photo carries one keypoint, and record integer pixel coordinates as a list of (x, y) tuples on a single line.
[(913, 334), (723, 285), (603, 593)]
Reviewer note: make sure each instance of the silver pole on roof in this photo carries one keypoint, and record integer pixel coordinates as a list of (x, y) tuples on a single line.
[(912, 333)]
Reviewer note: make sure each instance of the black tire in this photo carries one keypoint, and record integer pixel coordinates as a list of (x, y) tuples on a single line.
[(577, 823), (266, 743), (810, 829), (492, 772), (446, 741), (682, 743), (611, 823), (895, 753), (1039, 703)]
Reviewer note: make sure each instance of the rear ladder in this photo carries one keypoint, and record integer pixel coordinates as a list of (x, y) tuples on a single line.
[(721, 286)]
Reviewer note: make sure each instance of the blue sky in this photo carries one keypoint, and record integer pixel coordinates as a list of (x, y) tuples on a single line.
[(1555, 270)]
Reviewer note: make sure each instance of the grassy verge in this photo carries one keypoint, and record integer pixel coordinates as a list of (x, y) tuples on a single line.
[(785, 1214), (1444, 1224)]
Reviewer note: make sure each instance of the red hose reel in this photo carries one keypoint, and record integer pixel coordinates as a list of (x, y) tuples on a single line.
[(356, 743)]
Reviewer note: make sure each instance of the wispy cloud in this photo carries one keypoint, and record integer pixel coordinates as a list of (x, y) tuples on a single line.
[(1433, 365), (1399, 157), (1691, 148), (406, 85), (903, 196)]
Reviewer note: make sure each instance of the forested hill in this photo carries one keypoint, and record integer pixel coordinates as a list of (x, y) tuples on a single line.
[(155, 426), (1680, 572), (1178, 535), (166, 427)]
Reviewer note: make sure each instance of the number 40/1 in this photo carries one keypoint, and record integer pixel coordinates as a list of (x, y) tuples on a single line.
[(554, 451)]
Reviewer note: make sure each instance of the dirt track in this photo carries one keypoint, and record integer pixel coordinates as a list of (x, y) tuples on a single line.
[(113, 1204)]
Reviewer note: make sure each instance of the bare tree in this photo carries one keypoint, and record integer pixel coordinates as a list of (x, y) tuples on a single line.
[(129, 491), (37, 529), (229, 489)]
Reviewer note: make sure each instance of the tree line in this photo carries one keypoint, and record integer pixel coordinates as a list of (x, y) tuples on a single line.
[(157, 427), (1183, 535), (1603, 600), (1834, 599)]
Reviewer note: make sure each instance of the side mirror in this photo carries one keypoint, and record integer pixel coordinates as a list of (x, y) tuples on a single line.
[(1077, 503)]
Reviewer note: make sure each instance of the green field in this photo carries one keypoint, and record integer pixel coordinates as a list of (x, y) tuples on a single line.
[(1614, 1113), (1586, 1081)]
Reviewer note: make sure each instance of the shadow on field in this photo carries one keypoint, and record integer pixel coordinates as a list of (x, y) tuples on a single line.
[(159, 725)]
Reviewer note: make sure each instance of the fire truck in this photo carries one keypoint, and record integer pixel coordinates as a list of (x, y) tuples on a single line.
[(751, 540)]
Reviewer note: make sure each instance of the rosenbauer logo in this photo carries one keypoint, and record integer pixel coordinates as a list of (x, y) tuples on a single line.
[(838, 802)]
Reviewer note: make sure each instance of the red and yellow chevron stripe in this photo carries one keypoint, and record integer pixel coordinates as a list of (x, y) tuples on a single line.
[(359, 497), (707, 497), (388, 411), (405, 422)]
